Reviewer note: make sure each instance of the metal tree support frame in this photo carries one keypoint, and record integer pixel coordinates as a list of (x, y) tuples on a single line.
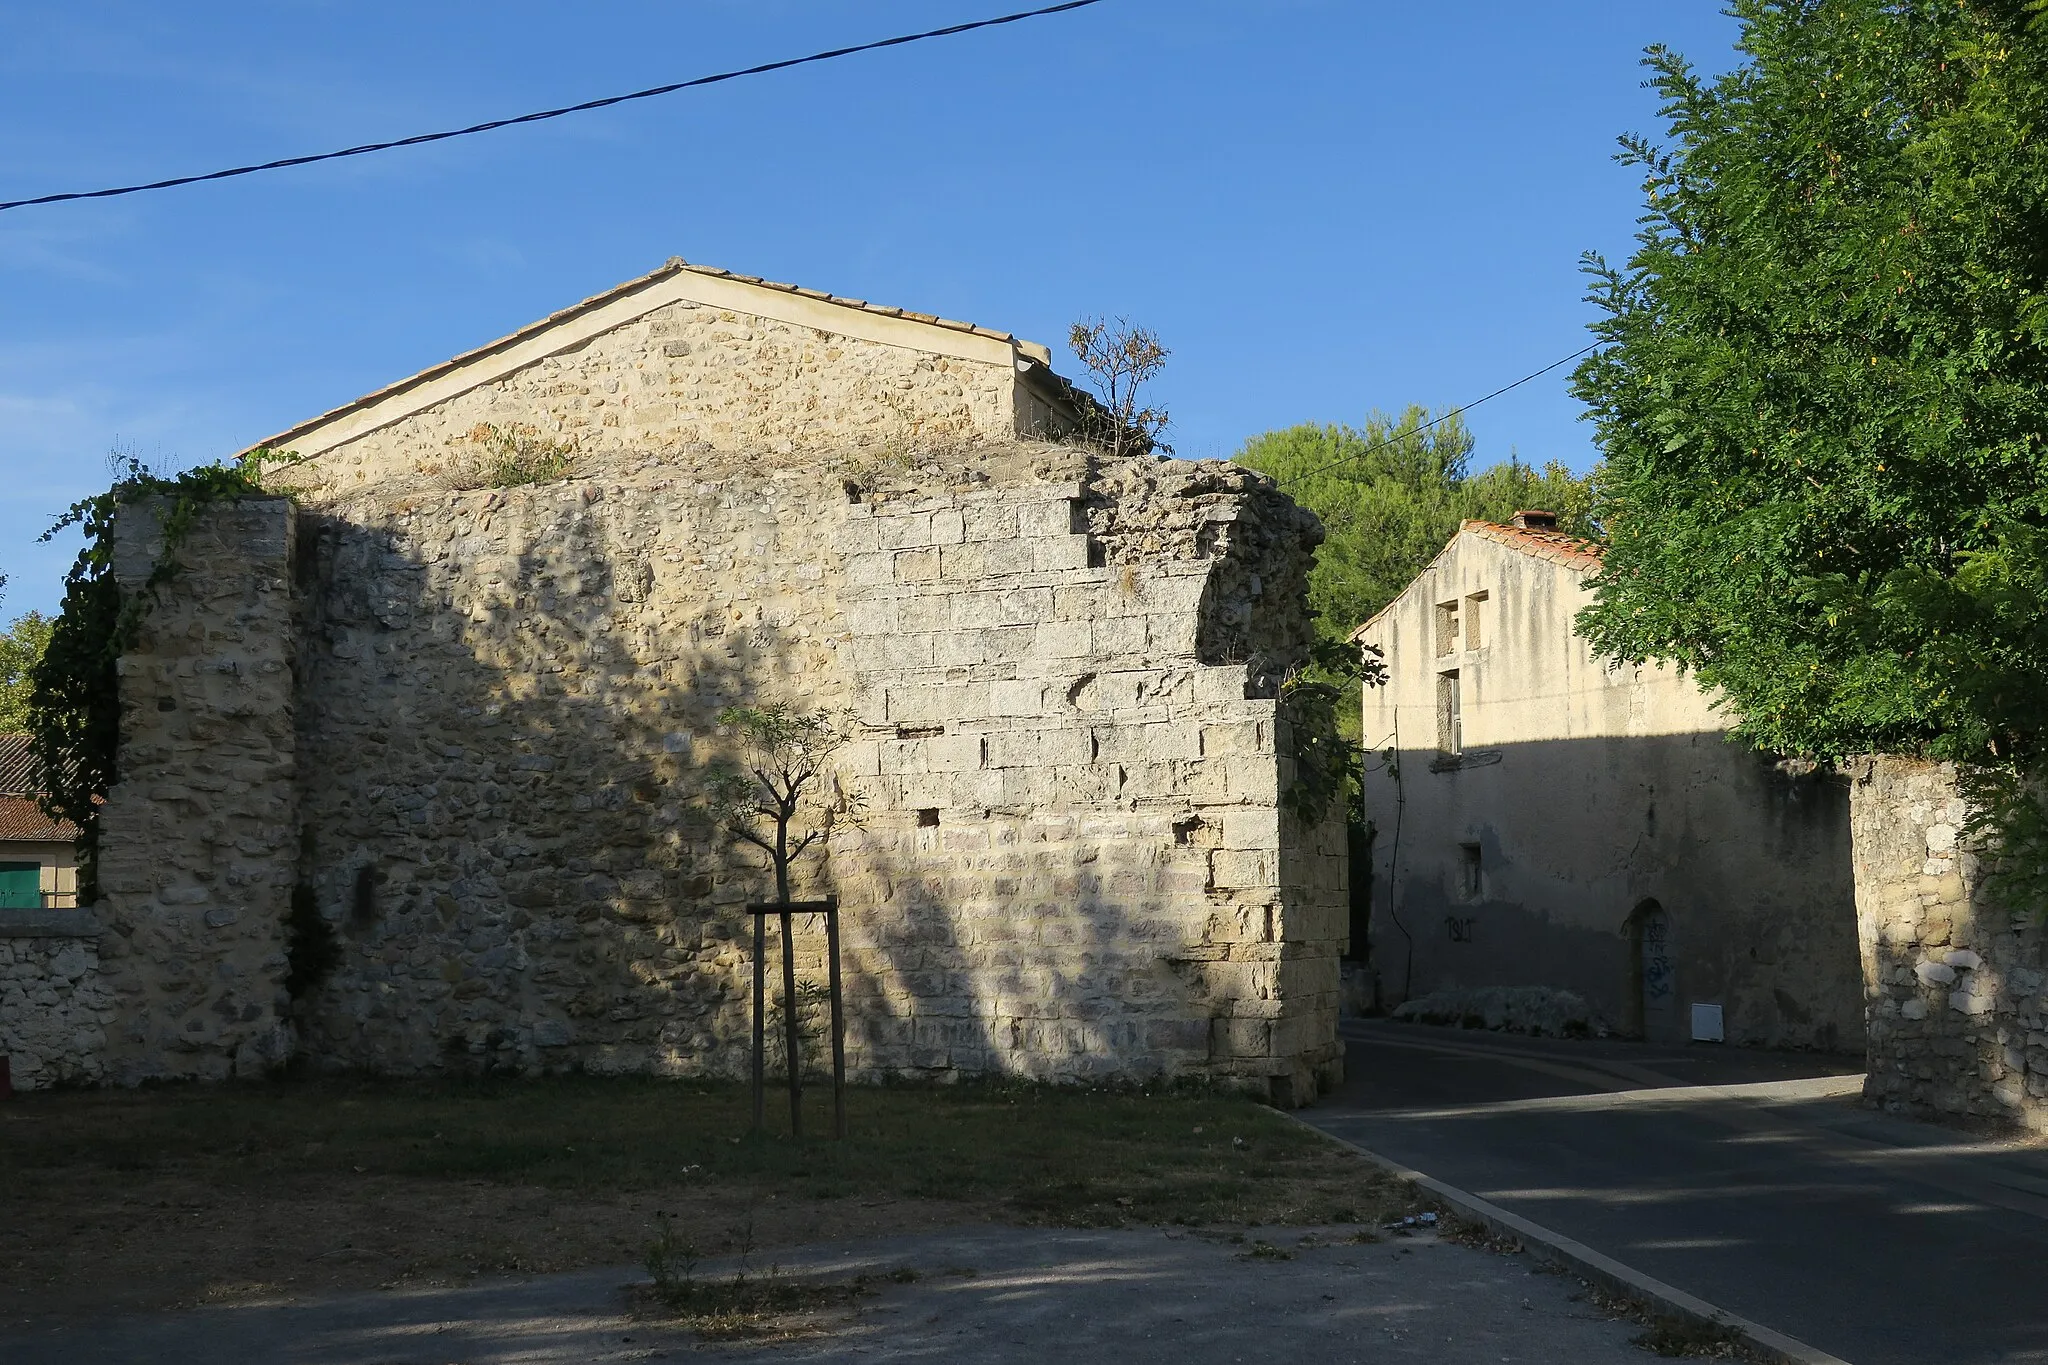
[(829, 908)]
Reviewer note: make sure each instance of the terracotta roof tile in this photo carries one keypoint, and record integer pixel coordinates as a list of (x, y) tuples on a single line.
[(1555, 546), (21, 818), (17, 767)]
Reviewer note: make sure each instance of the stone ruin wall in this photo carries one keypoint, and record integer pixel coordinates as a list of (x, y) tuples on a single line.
[(1956, 984), (198, 840), (465, 727), (1058, 838), (55, 1009), (483, 774)]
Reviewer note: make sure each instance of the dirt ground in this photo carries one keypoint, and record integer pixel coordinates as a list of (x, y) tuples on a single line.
[(79, 1244), (126, 1201)]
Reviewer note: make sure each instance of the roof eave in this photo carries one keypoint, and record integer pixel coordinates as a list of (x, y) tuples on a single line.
[(1514, 538)]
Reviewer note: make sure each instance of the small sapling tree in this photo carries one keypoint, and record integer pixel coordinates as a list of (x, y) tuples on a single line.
[(1123, 359), (785, 754)]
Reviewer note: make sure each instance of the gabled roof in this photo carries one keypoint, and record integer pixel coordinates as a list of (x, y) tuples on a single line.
[(1555, 546), (20, 817), (621, 304)]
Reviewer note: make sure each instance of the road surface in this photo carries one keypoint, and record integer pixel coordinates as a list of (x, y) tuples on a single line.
[(1750, 1179)]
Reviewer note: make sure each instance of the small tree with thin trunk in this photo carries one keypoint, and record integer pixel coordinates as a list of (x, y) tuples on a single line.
[(786, 753), (1123, 359)]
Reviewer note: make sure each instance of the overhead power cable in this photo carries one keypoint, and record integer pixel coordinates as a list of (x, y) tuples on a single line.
[(1399, 437), (605, 103)]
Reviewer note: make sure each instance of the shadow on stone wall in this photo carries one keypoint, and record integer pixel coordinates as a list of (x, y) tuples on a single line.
[(1522, 864), (498, 814), (1959, 1026), (497, 807), (1059, 982)]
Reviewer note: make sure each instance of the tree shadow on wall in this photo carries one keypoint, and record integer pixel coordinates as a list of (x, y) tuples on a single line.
[(503, 700), (994, 946), (1530, 864)]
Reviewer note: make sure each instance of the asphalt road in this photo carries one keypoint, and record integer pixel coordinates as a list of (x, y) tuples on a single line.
[(1750, 1179)]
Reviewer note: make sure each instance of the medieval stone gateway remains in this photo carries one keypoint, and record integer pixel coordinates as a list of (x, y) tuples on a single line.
[(1956, 979), (457, 692)]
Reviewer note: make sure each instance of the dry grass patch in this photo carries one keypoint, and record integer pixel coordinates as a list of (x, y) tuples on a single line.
[(194, 1193)]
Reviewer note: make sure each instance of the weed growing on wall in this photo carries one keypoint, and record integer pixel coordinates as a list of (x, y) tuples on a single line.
[(74, 708), (507, 457), (1122, 359)]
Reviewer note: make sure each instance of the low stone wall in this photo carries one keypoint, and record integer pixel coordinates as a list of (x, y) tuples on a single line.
[(1957, 985), (54, 1008)]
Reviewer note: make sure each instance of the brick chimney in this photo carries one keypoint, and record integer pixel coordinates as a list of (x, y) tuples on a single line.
[(1536, 521)]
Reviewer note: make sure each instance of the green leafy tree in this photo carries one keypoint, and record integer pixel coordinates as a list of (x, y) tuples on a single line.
[(1824, 395), (20, 648), (1390, 495)]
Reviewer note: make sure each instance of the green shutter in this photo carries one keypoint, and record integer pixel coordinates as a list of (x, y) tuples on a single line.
[(21, 886)]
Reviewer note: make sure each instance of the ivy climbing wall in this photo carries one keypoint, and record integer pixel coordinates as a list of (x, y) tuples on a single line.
[(199, 835)]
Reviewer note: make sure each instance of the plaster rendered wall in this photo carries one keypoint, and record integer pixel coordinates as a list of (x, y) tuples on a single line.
[(1057, 833), (1957, 984), (1589, 790), (198, 837), (59, 862)]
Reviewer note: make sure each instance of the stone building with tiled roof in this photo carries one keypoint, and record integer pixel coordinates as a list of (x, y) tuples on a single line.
[(1554, 819)]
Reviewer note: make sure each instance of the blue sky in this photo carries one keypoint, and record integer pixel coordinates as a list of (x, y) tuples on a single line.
[(1323, 206)]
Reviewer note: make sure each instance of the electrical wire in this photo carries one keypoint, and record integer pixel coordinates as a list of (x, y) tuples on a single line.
[(605, 103), (1444, 417)]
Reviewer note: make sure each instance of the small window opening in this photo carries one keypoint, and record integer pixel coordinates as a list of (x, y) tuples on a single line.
[(928, 818), (1469, 871), (1450, 737), (1446, 629), (363, 898), (1473, 639)]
